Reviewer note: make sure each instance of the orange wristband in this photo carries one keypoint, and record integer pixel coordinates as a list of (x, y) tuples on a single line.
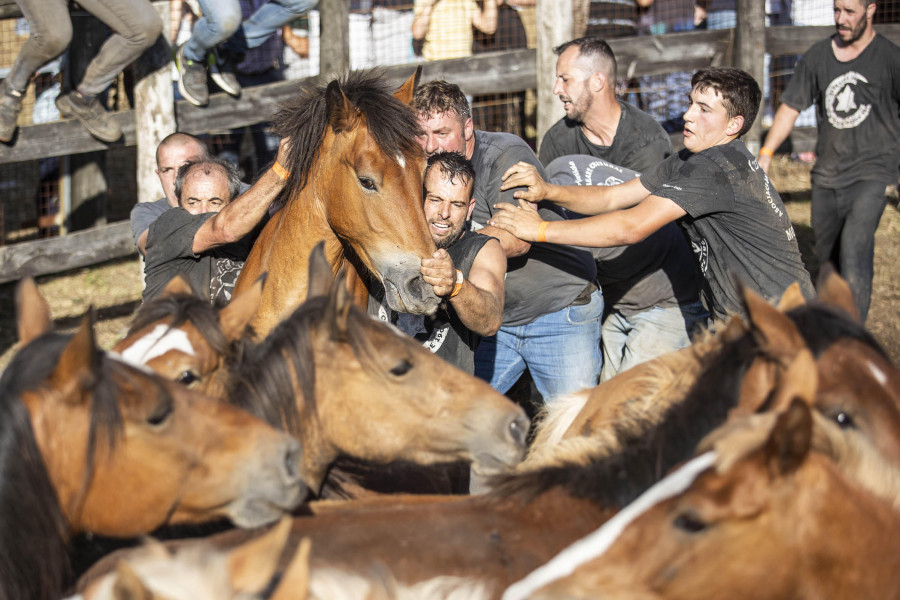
[(282, 173), (766, 151), (459, 283), (542, 231)]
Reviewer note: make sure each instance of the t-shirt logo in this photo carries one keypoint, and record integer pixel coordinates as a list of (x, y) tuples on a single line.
[(701, 250), (840, 101)]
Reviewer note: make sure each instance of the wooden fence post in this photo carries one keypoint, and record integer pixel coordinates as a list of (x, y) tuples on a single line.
[(334, 38), (749, 55), (554, 26)]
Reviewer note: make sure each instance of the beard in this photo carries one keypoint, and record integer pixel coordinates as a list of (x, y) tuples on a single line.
[(453, 234), (855, 33)]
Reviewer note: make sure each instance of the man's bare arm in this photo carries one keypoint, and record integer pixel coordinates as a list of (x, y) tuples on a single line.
[(512, 246), (781, 128), (486, 20), (479, 303)]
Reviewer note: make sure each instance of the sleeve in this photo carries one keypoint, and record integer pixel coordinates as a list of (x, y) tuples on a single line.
[(142, 215), (800, 92), (698, 185), (172, 235)]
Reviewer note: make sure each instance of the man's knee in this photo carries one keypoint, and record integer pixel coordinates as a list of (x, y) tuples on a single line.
[(55, 40), (298, 7), (147, 28)]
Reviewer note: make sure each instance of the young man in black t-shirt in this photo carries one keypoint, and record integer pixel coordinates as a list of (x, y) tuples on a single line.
[(714, 189)]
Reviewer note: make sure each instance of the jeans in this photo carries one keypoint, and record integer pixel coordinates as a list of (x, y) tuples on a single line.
[(628, 341), (268, 18), (221, 18), (844, 223), (561, 350)]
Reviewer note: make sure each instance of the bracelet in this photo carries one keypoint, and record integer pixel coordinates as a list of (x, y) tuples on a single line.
[(459, 283), (282, 173), (542, 231), (766, 151)]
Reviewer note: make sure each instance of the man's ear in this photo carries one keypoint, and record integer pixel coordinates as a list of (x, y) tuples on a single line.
[(598, 81), (734, 125), (471, 208), (468, 129)]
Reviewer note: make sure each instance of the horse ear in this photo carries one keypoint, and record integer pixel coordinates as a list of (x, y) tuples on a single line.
[(338, 308), (178, 286), (320, 276), (236, 316), (342, 116), (252, 564), (79, 362), (294, 584), (774, 331), (834, 291), (405, 92), (128, 585), (791, 298), (34, 312), (790, 439)]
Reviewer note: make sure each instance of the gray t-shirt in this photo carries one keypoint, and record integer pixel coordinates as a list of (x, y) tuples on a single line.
[(144, 213), (857, 106), (736, 222), (170, 251), (658, 271), (640, 142), (550, 276)]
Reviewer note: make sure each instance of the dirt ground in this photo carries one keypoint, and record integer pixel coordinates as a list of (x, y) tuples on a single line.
[(114, 288)]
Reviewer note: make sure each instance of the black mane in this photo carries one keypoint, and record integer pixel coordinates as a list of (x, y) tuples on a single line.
[(392, 124)]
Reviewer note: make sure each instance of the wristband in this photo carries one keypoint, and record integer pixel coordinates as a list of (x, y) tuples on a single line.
[(542, 231), (766, 152), (459, 283), (282, 173)]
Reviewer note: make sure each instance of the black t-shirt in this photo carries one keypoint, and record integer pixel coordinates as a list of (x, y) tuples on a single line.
[(736, 222), (640, 142), (857, 106), (170, 251)]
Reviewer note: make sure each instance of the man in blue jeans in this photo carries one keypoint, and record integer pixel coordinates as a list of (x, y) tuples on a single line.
[(552, 310), (221, 21)]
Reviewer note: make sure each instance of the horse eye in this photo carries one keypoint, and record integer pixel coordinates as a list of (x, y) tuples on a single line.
[(187, 378), (367, 183), (689, 522), (160, 414), (844, 420), (401, 368)]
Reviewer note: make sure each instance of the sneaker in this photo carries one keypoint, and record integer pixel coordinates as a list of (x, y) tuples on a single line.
[(10, 107), (223, 73), (191, 79), (92, 115)]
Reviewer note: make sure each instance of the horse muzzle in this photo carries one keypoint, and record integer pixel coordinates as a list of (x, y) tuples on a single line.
[(406, 291)]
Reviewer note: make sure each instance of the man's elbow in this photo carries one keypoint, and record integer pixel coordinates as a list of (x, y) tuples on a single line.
[(224, 232), (516, 247)]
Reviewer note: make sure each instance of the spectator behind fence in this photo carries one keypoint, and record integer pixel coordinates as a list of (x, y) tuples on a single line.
[(175, 150), (135, 26), (854, 79), (552, 306), (446, 26), (714, 189), (207, 236), (221, 22)]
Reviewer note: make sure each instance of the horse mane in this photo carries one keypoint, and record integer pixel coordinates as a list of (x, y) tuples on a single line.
[(392, 124), (821, 325), (183, 308)]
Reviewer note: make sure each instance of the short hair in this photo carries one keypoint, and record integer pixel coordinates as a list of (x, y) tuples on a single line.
[(439, 97), (594, 49), (179, 138), (740, 92), (454, 166), (207, 165)]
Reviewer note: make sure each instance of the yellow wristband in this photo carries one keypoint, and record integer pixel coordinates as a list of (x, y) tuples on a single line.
[(282, 173), (766, 151), (542, 231), (459, 283)]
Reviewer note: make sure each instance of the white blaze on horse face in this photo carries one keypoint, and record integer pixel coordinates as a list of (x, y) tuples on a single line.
[(156, 343), (879, 375), (401, 161), (595, 544)]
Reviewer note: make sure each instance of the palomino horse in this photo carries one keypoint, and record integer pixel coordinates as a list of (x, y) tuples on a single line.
[(765, 520), (90, 444), (356, 183), (343, 383)]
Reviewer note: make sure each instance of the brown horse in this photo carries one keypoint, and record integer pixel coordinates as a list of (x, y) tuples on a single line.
[(90, 444), (342, 383), (356, 184), (767, 520)]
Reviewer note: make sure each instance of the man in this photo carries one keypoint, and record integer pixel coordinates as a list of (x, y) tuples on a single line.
[(447, 26), (552, 307), (206, 235), (854, 79), (467, 270), (175, 150), (596, 123), (714, 189)]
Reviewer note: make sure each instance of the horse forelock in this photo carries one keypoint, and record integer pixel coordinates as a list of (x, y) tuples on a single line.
[(822, 326), (178, 309)]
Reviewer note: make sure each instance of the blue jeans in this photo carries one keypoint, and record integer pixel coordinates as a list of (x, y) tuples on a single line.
[(628, 341), (844, 223), (268, 18), (561, 350), (221, 18)]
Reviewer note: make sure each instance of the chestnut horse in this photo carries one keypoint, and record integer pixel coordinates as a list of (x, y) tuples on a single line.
[(90, 444), (356, 183), (342, 383), (768, 520)]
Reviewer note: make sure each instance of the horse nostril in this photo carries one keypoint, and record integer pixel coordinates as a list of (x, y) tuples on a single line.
[(518, 430)]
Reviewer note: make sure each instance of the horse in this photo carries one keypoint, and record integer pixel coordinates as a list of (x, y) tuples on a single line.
[(771, 519), (355, 183), (344, 384), (89, 444)]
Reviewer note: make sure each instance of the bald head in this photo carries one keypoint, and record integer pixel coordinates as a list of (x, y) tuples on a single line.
[(175, 150)]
